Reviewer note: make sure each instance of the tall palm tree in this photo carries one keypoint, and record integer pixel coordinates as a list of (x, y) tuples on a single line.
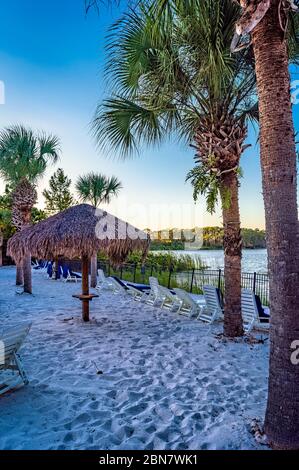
[(270, 23), (174, 73), (266, 21), (97, 189), (24, 156)]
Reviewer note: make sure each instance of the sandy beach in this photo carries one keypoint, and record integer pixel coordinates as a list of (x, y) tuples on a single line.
[(135, 377)]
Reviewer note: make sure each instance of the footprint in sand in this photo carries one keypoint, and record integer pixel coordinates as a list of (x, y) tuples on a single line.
[(136, 409), (94, 405)]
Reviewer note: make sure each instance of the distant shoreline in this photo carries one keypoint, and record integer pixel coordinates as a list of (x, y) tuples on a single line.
[(205, 248)]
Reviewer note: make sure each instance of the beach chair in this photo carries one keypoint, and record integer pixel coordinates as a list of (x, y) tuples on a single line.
[(69, 276), (53, 275), (189, 305), (103, 281), (140, 292), (212, 310), (169, 299), (154, 297), (137, 294), (250, 313), (117, 286), (45, 266), (35, 264), (12, 374), (120, 287)]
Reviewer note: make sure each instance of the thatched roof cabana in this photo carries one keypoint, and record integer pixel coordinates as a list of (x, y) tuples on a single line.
[(79, 231)]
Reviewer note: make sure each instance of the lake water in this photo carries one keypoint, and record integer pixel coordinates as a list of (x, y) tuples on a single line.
[(252, 260)]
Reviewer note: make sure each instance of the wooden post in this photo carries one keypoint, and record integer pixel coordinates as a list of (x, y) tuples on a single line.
[(85, 288)]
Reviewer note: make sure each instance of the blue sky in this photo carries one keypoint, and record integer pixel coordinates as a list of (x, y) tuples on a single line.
[(52, 64)]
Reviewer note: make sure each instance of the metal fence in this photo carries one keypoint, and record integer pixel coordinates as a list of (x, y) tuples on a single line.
[(191, 280)]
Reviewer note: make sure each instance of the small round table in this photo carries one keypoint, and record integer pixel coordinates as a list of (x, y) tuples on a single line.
[(85, 299)]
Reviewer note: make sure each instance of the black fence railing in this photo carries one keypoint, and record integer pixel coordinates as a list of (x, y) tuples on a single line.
[(191, 280)]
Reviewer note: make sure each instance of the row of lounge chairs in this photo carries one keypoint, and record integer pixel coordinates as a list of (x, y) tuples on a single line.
[(64, 271), (181, 302), (176, 300)]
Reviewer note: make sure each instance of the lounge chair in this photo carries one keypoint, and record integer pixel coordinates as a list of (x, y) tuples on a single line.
[(12, 374), (53, 274), (120, 287), (250, 313), (154, 297), (140, 291), (189, 306), (169, 299), (137, 294), (103, 281), (212, 310), (69, 276)]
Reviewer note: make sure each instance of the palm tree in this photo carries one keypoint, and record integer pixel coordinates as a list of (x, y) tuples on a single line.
[(266, 20), (273, 45), (174, 73), (24, 156), (97, 189), (5, 218)]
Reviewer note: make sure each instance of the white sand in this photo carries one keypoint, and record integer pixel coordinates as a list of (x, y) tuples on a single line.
[(167, 382)]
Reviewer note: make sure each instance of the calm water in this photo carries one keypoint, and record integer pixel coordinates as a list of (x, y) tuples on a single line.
[(252, 260)]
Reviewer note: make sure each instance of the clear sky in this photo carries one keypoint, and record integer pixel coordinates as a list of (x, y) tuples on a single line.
[(52, 64)]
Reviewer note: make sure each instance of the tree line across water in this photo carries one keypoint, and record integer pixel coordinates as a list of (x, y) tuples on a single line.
[(212, 239)]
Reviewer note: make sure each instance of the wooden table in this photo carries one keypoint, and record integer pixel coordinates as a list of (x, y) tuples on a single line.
[(85, 299)]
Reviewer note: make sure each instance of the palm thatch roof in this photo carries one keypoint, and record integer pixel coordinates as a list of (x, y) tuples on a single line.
[(78, 231)]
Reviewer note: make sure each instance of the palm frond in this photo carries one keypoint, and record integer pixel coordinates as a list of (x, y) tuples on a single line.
[(24, 154), (97, 188), (49, 147), (123, 124)]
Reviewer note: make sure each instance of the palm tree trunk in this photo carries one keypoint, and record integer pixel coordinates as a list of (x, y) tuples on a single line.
[(93, 272), (19, 275), (27, 272), (232, 243), (278, 161)]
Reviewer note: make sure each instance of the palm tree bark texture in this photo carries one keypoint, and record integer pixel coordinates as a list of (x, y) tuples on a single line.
[(24, 198), (278, 162)]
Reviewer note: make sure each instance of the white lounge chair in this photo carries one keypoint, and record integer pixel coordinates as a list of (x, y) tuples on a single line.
[(137, 294), (212, 309), (154, 297), (169, 300), (103, 281), (189, 306), (117, 287), (12, 374), (70, 277), (250, 314), (124, 289)]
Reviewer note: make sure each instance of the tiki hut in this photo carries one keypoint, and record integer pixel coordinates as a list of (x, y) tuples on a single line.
[(79, 231)]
